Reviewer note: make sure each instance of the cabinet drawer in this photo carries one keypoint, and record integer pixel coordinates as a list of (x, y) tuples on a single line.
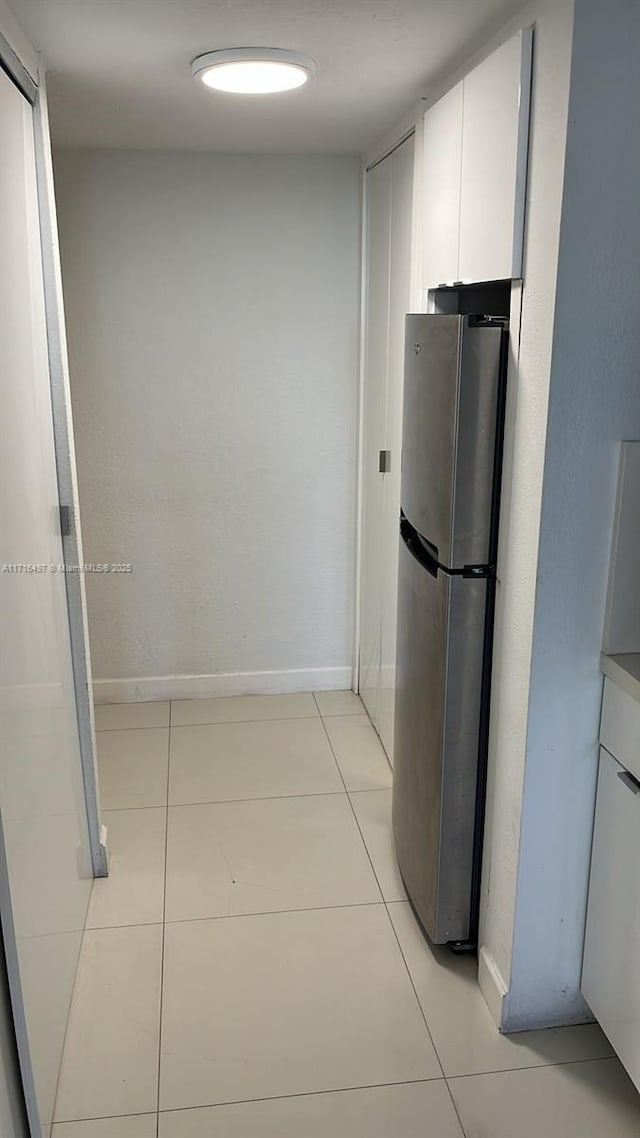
[(611, 978), (620, 726)]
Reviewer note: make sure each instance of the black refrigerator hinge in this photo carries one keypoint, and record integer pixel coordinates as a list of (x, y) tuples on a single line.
[(478, 572)]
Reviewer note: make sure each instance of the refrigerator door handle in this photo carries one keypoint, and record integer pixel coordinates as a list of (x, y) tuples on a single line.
[(417, 546)]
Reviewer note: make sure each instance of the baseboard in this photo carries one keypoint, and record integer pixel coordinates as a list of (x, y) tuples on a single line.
[(141, 689), (492, 985)]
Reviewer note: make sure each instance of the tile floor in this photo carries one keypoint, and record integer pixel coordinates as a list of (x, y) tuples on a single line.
[(252, 969)]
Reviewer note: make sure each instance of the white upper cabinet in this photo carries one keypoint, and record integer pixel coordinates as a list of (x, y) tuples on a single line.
[(495, 128), (475, 171), (442, 165)]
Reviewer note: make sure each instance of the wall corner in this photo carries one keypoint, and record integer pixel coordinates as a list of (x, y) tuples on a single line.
[(492, 985)]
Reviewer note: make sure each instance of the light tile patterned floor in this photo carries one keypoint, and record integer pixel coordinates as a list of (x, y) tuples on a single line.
[(252, 968)]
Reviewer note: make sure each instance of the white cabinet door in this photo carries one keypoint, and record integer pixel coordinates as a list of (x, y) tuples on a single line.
[(402, 163), (610, 978), (442, 159), (376, 352), (495, 128)]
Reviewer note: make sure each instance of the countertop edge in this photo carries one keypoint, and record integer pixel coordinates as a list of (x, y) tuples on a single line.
[(624, 671)]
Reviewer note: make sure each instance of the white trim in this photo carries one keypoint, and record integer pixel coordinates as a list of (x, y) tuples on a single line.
[(522, 162), (143, 688), (67, 477), (417, 219), (12, 64), (357, 624), (492, 985)]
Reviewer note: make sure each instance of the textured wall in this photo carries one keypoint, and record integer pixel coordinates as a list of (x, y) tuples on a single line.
[(594, 403), (212, 310)]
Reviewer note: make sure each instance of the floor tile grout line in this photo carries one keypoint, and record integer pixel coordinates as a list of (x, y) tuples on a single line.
[(230, 801), (223, 722), (216, 723), (65, 1036), (109, 1117), (534, 1066), (267, 798), (131, 810), (164, 925), (340, 1090), (454, 1106), (263, 1098), (239, 722), (384, 901), (234, 722), (415, 991), (305, 1094), (355, 816), (513, 1071), (140, 727), (279, 912), (239, 916)]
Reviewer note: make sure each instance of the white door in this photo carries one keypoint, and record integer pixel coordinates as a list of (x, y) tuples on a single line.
[(402, 161), (45, 875), (388, 289), (376, 351)]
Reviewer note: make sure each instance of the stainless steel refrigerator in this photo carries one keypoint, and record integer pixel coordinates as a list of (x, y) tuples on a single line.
[(455, 379)]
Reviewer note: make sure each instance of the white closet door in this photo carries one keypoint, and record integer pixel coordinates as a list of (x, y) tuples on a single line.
[(44, 857), (376, 350), (402, 163)]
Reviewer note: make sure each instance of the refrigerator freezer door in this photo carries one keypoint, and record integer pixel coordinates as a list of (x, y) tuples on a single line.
[(438, 702), (451, 400)]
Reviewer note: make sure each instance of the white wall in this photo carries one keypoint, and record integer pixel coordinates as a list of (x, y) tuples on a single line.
[(594, 403), (212, 311), (526, 427)]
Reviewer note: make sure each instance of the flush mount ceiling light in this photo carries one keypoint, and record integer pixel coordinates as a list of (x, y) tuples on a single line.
[(253, 70)]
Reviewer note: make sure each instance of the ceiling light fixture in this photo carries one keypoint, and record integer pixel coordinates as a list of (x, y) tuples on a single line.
[(253, 70)]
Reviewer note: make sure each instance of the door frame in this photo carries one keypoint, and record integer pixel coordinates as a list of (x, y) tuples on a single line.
[(412, 124), (21, 66), (29, 79), (64, 445)]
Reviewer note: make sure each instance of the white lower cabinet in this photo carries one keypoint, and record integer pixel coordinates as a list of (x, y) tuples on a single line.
[(611, 977)]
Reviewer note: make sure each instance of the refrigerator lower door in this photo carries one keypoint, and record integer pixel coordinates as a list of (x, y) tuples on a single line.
[(441, 625)]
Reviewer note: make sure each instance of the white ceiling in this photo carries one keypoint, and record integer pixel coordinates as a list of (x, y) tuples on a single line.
[(120, 69)]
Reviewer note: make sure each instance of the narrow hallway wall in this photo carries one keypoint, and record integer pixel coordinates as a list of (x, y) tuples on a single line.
[(212, 308)]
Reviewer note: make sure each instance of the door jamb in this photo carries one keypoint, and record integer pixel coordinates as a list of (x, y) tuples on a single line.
[(67, 481)]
